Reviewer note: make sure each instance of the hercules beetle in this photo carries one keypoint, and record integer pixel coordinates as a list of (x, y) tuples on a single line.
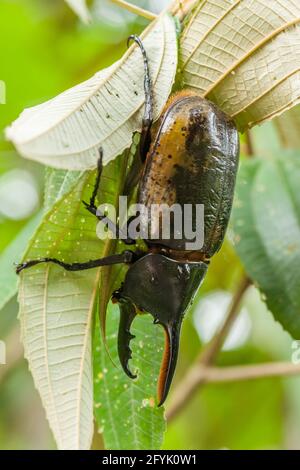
[(190, 155)]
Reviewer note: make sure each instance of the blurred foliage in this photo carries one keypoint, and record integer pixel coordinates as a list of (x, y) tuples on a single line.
[(266, 224), (44, 50)]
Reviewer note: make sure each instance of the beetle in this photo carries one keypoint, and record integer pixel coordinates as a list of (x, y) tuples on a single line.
[(189, 156)]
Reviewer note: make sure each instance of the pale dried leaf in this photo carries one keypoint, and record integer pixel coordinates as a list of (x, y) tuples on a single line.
[(55, 313), (56, 306), (58, 183), (66, 132), (245, 56)]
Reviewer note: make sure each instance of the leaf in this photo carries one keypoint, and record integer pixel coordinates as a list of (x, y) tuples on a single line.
[(56, 309), (105, 110), (81, 9), (288, 125), (58, 183), (11, 255), (265, 140), (126, 410), (266, 220), (245, 56)]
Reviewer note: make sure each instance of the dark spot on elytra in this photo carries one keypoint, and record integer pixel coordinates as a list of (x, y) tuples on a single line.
[(196, 139), (169, 156)]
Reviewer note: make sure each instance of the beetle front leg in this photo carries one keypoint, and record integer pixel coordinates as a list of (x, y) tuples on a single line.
[(145, 138), (91, 206), (126, 257)]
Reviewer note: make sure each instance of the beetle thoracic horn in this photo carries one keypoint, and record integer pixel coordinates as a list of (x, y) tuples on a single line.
[(169, 361)]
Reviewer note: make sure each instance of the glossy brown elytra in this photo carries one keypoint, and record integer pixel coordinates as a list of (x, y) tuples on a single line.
[(189, 157)]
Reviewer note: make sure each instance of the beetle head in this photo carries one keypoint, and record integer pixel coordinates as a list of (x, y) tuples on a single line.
[(164, 288)]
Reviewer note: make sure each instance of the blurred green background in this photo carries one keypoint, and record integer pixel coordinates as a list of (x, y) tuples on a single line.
[(44, 50)]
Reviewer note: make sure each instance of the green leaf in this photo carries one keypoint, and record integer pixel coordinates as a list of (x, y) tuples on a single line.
[(265, 140), (266, 220), (56, 308), (12, 254), (57, 184), (126, 410)]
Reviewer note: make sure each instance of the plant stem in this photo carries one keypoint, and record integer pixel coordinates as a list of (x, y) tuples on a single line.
[(14, 353), (249, 150), (249, 372), (135, 9), (195, 376), (210, 352), (181, 8), (200, 374)]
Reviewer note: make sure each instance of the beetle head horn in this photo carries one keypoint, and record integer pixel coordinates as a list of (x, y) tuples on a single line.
[(164, 288)]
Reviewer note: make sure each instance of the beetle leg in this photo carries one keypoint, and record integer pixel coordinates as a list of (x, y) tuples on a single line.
[(127, 315), (91, 206), (98, 178), (144, 143), (126, 257)]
